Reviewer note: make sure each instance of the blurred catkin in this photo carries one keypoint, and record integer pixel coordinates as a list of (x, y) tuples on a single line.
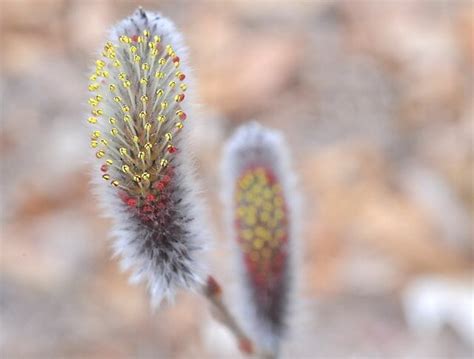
[(144, 173), (260, 200)]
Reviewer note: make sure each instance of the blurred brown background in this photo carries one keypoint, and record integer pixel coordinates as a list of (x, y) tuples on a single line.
[(375, 98)]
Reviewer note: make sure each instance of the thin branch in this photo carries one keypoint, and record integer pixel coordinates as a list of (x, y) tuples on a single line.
[(213, 293)]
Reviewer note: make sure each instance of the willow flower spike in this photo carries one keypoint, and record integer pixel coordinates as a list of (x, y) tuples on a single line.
[(258, 191), (144, 172)]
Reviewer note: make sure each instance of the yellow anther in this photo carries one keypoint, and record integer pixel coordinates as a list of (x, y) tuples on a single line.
[(172, 84), (109, 162), (117, 63), (94, 144), (247, 234), (100, 63), (97, 112), (125, 169), (117, 99), (133, 49), (159, 93), (137, 179), (93, 87), (148, 146), (147, 126), (164, 105), (127, 118), (112, 120), (161, 118), (135, 139), (96, 134), (163, 162), (125, 108), (104, 142), (162, 61), (145, 66), (92, 120), (144, 98), (146, 33), (123, 151), (141, 155), (99, 98), (179, 125), (93, 102), (127, 84), (115, 183), (157, 38), (125, 39), (146, 176), (136, 58), (168, 136), (108, 46), (154, 52), (93, 77), (152, 45), (142, 115), (139, 39), (278, 201), (183, 87), (258, 244), (143, 81), (112, 87), (106, 177), (100, 154), (122, 76), (105, 74), (114, 131)]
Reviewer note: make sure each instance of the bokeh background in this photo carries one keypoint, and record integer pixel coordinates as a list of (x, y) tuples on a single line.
[(376, 101)]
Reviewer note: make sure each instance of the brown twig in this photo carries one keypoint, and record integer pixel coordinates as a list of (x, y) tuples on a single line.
[(213, 293)]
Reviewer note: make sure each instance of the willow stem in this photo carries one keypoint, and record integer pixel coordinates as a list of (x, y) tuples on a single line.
[(213, 293)]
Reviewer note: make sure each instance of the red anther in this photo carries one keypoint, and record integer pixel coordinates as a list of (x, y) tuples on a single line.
[(175, 59), (150, 197), (131, 202), (135, 38), (246, 346), (166, 179), (160, 186), (171, 149), (181, 77), (182, 116), (213, 287), (123, 196), (104, 168), (180, 97), (147, 209)]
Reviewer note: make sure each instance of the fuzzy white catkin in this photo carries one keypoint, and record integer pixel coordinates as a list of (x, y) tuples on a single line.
[(144, 177), (256, 179)]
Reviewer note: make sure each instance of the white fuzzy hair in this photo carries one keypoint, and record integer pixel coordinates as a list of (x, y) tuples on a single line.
[(165, 256), (254, 145)]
